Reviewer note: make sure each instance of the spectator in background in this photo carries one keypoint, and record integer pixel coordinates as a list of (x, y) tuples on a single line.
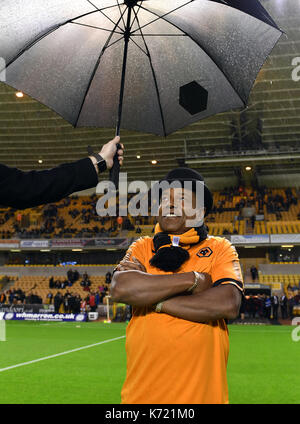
[(297, 298), (283, 306), (75, 276), (50, 298), (86, 283), (101, 293), (254, 273), (71, 303), (275, 305), (64, 284), (108, 277), (92, 302), (76, 304), (11, 297), (58, 300), (66, 299), (84, 307), (34, 299), (291, 304), (87, 287), (252, 306), (2, 298), (51, 283), (268, 306), (70, 275), (97, 299), (261, 305)]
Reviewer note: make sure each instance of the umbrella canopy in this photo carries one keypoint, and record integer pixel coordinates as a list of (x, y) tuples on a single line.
[(184, 60)]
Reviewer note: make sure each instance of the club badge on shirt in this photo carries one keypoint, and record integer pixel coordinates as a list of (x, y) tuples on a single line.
[(205, 252)]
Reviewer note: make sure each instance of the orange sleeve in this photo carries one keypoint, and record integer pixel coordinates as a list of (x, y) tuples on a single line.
[(137, 249), (226, 267)]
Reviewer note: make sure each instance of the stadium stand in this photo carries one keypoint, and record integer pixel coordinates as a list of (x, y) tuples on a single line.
[(38, 285), (77, 216)]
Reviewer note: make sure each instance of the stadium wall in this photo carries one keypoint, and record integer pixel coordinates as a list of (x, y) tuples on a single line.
[(284, 181)]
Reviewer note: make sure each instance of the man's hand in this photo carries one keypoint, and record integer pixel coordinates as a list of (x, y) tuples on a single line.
[(133, 265), (109, 150), (205, 282)]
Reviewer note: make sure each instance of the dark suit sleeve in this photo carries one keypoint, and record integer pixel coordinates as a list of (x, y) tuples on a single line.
[(22, 190)]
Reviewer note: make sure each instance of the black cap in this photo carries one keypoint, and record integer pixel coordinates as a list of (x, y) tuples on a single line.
[(187, 174)]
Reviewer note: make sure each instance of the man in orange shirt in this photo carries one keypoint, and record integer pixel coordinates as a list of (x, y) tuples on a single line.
[(183, 285)]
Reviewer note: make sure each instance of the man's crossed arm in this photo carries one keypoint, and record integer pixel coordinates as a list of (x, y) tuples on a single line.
[(133, 286)]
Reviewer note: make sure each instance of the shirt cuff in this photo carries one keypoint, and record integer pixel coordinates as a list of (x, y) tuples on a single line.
[(223, 281)]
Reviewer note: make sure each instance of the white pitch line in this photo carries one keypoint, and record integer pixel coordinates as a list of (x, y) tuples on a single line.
[(60, 354)]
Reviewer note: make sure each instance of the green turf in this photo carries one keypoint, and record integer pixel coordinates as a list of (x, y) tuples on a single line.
[(263, 364), (94, 375)]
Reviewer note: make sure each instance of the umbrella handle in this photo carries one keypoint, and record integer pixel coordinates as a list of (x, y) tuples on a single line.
[(115, 170)]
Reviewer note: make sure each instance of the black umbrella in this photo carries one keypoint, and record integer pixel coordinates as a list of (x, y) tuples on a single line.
[(152, 66)]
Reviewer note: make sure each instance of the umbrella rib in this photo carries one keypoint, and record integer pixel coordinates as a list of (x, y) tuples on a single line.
[(121, 14), (95, 27), (101, 11), (136, 13), (115, 42), (117, 24), (96, 67), (154, 77), (205, 51), (139, 47), (161, 17)]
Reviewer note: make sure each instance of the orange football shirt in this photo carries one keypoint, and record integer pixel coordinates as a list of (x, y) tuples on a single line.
[(171, 360)]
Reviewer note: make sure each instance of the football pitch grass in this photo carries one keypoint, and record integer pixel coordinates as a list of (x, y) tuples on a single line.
[(70, 363)]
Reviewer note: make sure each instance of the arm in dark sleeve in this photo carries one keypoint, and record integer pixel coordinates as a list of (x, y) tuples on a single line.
[(22, 190)]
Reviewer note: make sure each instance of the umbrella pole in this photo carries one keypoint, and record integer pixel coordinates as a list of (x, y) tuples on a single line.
[(126, 40), (115, 170)]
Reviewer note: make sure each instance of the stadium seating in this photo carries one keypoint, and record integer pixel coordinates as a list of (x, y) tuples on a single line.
[(289, 281), (40, 285), (77, 216)]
